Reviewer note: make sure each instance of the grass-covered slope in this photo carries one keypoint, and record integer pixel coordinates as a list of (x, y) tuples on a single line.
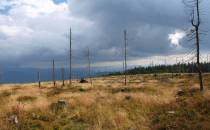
[(146, 103)]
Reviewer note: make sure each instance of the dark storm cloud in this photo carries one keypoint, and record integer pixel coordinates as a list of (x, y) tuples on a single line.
[(148, 23), (99, 25)]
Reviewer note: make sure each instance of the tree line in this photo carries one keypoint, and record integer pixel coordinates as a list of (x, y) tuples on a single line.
[(176, 68)]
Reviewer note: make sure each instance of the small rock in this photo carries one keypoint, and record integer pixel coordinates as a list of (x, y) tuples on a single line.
[(34, 116), (180, 93), (171, 112), (128, 97), (13, 119)]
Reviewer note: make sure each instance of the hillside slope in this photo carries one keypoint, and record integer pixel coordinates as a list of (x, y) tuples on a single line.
[(147, 103)]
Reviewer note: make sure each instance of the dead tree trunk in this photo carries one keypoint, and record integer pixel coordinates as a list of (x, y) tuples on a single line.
[(165, 62), (63, 77), (208, 63), (177, 67), (198, 59), (123, 61), (125, 54), (195, 34), (89, 65), (39, 81), (123, 67), (53, 74), (70, 60), (196, 25)]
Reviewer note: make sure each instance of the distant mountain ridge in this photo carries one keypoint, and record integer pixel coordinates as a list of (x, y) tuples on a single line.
[(30, 75)]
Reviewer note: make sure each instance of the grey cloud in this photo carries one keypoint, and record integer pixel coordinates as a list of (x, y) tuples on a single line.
[(99, 25), (148, 24)]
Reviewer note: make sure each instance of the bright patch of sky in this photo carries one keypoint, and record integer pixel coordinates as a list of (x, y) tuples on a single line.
[(5, 10), (12, 31), (176, 37), (59, 1)]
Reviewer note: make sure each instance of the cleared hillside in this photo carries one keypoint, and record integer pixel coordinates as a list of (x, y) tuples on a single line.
[(148, 102)]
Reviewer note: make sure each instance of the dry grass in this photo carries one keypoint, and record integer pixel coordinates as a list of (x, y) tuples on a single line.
[(107, 105)]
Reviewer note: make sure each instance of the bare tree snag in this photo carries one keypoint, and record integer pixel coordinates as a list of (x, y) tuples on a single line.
[(70, 60), (208, 63), (196, 26), (53, 74), (39, 81), (195, 34), (63, 77), (125, 54), (89, 65)]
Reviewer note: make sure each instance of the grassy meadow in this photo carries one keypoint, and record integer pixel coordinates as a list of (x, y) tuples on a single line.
[(148, 102)]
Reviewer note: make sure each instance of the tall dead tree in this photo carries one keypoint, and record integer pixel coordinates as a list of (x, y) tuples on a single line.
[(195, 33), (123, 66), (182, 65), (39, 81), (70, 60), (177, 68), (53, 73), (125, 56), (123, 61), (63, 76), (165, 62), (208, 68), (89, 65)]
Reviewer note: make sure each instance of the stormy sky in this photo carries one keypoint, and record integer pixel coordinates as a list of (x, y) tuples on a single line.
[(33, 32)]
